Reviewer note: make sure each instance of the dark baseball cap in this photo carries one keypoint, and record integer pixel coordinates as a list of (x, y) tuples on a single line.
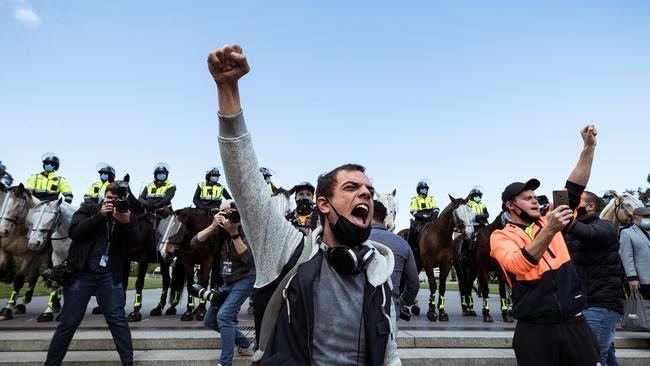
[(513, 189)]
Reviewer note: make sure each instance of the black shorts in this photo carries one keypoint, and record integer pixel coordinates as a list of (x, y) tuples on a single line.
[(570, 343)]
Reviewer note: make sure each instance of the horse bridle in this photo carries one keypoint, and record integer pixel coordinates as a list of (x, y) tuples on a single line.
[(50, 230), (618, 206), (3, 211)]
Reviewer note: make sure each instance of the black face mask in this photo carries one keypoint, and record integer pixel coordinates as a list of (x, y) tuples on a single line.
[(348, 233), (303, 206), (581, 211), (525, 216)]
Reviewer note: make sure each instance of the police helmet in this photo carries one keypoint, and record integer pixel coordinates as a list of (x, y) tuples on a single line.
[(51, 158)]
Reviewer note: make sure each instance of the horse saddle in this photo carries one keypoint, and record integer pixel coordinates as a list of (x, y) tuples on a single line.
[(414, 236)]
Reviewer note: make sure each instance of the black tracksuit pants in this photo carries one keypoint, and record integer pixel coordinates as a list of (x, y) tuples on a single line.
[(570, 343)]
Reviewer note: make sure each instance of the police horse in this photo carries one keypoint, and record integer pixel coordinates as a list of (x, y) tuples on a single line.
[(436, 248)]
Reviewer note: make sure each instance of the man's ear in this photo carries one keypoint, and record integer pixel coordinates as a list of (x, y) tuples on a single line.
[(323, 205)]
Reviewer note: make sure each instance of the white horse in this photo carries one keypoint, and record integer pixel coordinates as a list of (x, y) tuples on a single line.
[(619, 210), (49, 222), (390, 201)]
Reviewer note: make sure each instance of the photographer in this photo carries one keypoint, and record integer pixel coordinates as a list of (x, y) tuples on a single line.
[(238, 271), (100, 235)]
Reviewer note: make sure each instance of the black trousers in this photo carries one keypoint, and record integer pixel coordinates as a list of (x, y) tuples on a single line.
[(570, 343)]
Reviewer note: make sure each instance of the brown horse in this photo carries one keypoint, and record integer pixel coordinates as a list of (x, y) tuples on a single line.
[(438, 249), (193, 220), (484, 265)]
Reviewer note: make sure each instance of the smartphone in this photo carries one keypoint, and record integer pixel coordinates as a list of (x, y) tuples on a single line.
[(560, 198)]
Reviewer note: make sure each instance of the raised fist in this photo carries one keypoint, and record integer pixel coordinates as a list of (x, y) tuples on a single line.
[(588, 134), (227, 64)]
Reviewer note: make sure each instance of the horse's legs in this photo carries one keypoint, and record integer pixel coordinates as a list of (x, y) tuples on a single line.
[(135, 315), (19, 281), (506, 304), (431, 313), (442, 288), (166, 280), (485, 293)]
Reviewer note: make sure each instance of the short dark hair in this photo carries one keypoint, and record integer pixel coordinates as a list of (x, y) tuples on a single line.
[(380, 211), (113, 188), (591, 197), (327, 182)]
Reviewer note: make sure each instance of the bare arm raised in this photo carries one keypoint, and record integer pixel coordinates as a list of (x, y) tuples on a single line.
[(582, 171)]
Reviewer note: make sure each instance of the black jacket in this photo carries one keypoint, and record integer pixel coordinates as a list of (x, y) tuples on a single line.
[(593, 244), (89, 226), (291, 340)]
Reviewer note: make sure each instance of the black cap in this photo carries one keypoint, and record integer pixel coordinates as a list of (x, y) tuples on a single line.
[(513, 189)]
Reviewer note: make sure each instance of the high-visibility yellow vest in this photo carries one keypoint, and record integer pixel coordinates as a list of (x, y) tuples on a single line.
[(419, 203), (158, 192), (96, 189), (211, 191), (477, 207), (50, 184), (270, 187)]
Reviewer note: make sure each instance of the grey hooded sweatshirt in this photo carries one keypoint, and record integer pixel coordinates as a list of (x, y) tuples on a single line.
[(273, 240)]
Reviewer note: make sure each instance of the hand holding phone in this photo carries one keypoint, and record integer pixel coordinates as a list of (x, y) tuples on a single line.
[(560, 198)]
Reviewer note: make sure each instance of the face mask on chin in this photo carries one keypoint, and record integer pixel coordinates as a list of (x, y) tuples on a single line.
[(524, 215), (303, 206), (348, 233)]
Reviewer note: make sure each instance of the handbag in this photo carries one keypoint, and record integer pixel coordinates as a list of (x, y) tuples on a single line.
[(636, 312)]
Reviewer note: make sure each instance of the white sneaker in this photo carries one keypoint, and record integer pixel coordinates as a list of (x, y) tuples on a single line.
[(246, 351)]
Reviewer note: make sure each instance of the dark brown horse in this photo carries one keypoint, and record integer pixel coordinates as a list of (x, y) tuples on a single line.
[(193, 220), (438, 249), (484, 265)]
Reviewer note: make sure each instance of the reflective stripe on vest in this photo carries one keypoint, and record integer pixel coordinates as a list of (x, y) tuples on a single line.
[(158, 192), (211, 192), (50, 184), (477, 207), (96, 189), (422, 203)]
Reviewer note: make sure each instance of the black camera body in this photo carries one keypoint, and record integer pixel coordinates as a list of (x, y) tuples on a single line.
[(62, 274), (213, 296), (233, 216), (121, 204)]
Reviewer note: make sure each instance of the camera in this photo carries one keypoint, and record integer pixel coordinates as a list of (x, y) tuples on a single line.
[(232, 216), (213, 296), (121, 204), (63, 274)]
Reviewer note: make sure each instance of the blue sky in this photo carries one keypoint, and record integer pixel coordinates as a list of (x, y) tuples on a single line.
[(462, 92)]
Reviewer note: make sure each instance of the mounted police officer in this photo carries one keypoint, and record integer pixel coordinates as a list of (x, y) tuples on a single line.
[(208, 194), (304, 216), (159, 193), (467, 248), (106, 176), (5, 178), (424, 208), (47, 185)]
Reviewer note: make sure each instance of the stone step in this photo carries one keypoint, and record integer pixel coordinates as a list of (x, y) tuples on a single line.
[(86, 340), (201, 357)]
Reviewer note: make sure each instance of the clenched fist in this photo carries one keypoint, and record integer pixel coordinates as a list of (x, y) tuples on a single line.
[(227, 64), (588, 134)]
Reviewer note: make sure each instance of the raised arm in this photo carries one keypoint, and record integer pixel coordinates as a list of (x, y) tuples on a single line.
[(269, 235), (582, 171)]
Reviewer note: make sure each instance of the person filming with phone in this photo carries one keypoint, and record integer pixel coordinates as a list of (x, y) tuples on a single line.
[(101, 234), (547, 292)]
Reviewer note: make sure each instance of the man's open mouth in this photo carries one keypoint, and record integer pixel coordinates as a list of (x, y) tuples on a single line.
[(360, 215)]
